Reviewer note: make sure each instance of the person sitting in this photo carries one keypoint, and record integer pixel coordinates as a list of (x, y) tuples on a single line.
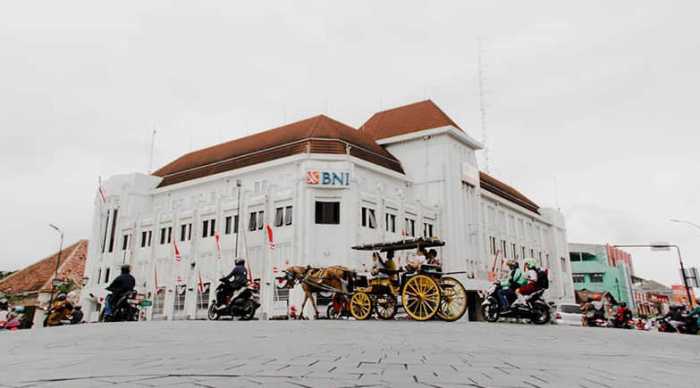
[(77, 316), (515, 279), (432, 258), (120, 286), (415, 263), (239, 274), (622, 315), (531, 286)]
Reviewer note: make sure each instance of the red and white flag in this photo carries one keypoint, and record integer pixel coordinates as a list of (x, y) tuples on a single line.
[(101, 190), (270, 236), (217, 238), (200, 283), (178, 257)]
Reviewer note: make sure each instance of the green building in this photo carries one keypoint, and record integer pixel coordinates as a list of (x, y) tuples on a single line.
[(603, 268)]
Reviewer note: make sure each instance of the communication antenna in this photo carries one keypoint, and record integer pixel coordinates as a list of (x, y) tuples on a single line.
[(482, 105), (556, 193), (153, 142)]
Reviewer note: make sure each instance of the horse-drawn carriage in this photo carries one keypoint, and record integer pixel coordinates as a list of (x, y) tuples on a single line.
[(425, 291)]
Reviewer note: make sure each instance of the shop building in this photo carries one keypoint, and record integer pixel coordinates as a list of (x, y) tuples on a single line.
[(603, 268), (321, 186)]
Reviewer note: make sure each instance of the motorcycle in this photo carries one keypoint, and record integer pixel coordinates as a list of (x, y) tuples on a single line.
[(125, 309), (338, 308), (621, 323), (242, 303), (687, 326), (535, 309)]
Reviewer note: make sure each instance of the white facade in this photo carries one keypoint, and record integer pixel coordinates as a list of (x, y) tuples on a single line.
[(439, 191)]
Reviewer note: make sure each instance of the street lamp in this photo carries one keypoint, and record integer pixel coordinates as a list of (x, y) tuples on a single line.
[(666, 247), (58, 263), (685, 222)]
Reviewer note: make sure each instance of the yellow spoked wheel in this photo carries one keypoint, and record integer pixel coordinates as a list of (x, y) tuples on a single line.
[(421, 297), (453, 303), (360, 306)]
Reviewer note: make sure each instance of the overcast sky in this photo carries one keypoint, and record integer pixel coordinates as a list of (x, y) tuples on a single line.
[(600, 98)]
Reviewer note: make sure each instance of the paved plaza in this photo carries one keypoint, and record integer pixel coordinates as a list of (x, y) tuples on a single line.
[(345, 354)]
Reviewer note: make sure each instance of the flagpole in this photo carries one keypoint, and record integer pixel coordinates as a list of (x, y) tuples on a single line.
[(153, 142), (240, 217)]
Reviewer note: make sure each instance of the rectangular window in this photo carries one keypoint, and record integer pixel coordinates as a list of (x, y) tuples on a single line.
[(327, 212), (114, 229), (368, 218), (288, 215), (159, 302), (107, 275), (150, 234), (577, 277), (203, 297), (183, 232), (261, 219), (189, 232), (235, 224), (596, 278), (212, 227), (410, 227), (514, 251), (104, 240), (504, 246), (532, 253), (125, 242), (143, 239), (227, 224), (390, 222), (162, 236), (279, 216), (99, 275), (205, 228), (575, 256), (170, 234), (180, 294), (427, 230), (252, 222)]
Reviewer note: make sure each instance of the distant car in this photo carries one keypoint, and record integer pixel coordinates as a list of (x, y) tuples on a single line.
[(569, 314)]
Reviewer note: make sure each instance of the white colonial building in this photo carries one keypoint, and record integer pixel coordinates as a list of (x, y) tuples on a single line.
[(322, 187)]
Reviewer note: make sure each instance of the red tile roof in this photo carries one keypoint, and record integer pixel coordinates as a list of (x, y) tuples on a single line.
[(507, 192), (38, 276), (319, 134), (406, 119)]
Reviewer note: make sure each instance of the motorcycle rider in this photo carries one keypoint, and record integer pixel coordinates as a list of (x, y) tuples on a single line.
[(515, 280), (531, 286), (60, 311), (121, 285), (622, 315), (240, 279)]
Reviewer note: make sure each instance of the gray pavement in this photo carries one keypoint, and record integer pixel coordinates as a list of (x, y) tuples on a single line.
[(345, 354)]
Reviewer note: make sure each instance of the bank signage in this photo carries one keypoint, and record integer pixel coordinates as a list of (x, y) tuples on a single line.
[(327, 178)]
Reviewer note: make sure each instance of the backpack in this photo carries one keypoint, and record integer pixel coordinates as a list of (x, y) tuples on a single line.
[(542, 278)]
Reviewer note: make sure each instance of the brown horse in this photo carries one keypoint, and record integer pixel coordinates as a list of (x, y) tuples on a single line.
[(314, 280)]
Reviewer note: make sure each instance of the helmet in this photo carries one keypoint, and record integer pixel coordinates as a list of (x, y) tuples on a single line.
[(623, 304), (126, 268), (512, 264), (531, 263), (239, 261), (61, 296)]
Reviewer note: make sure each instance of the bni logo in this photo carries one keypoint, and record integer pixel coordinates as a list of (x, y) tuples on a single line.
[(328, 178)]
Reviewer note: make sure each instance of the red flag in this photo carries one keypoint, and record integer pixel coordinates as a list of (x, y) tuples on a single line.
[(177, 251), (200, 284), (155, 275), (270, 237), (217, 237), (101, 190), (250, 274)]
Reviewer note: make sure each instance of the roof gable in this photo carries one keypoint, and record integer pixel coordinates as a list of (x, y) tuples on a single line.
[(37, 277), (276, 143), (406, 119)]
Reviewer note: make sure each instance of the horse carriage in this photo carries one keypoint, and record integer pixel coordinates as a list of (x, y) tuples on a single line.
[(425, 292)]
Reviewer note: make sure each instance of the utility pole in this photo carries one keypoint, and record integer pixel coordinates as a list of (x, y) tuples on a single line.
[(58, 264)]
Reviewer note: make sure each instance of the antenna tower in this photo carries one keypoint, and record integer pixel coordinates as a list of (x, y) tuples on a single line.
[(482, 105)]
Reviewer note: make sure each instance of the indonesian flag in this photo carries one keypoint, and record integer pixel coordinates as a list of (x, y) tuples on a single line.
[(178, 257), (155, 275), (250, 274), (101, 190), (200, 283), (270, 237), (217, 238)]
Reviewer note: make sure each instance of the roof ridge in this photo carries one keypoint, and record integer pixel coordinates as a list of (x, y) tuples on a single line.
[(75, 246)]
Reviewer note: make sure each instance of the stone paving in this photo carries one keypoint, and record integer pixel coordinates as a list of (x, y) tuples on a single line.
[(345, 354)]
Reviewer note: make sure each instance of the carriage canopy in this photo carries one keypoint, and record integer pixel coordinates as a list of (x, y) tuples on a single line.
[(400, 245)]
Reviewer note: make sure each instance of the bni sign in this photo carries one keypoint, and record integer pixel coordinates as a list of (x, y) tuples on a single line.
[(340, 179)]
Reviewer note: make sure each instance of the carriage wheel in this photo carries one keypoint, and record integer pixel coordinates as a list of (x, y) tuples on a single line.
[(453, 303), (421, 297), (386, 306), (360, 306)]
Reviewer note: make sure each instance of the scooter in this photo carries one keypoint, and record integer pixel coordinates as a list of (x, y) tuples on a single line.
[(125, 309), (242, 303), (687, 326), (535, 309)]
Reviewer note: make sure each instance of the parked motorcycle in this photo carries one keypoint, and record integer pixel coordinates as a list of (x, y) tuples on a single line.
[(687, 326), (338, 308), (242, 303), (619, 323), (125, 309), (535, 309)]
